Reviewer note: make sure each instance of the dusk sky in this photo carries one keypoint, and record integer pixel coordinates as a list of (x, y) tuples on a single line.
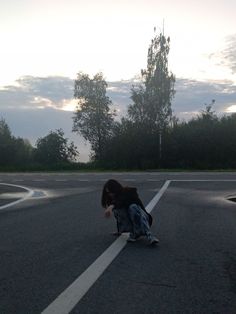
[(45, 43)]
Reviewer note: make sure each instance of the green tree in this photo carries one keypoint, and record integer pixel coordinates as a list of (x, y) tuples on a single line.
[(6, 144), (208, 115), (5, 131), (152, 99), (131, 147), (54, 148), (225, 141), (194, 144), (93, 118), (23, 152), (13, 151)]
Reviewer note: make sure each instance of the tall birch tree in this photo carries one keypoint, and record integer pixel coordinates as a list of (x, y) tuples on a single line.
[(93, 118)]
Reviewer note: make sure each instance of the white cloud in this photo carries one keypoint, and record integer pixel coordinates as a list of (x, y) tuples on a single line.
[(229, 53), (225, 58), (231, 108)]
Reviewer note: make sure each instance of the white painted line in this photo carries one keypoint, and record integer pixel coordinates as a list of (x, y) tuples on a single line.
[(31, 192), (68, 299), (206, 180), (157, 197), (17, 180), (83, 180), (39, 180)]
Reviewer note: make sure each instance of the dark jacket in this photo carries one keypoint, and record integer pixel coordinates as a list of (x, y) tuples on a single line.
[(128, 196)]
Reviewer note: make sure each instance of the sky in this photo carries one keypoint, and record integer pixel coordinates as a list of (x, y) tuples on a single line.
[(44, 44)]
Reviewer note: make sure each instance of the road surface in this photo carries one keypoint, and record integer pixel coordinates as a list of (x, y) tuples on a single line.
[(58, 254)]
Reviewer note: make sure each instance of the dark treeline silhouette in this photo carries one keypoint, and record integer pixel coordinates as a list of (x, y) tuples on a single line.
[(205, 142), (52, 152)]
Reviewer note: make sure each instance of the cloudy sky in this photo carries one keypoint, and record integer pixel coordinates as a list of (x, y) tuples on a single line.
[(45, 43)]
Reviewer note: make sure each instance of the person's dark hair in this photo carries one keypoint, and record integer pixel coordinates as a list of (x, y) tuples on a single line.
[(111, 186)]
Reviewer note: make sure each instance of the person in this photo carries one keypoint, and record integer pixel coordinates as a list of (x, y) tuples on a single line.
[(128, 209)]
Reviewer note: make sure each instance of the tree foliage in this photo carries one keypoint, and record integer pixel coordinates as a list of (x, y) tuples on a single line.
[(152, 99), (6, 143), (93, 118), (51, 150), (54, 148), (207, 141), (13, 151)]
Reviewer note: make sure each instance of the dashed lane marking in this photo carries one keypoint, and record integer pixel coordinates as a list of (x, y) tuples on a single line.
[(61, 180), (83, 180), (39, 180)]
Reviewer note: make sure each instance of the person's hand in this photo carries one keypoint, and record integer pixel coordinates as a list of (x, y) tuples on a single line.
[(108, 211)]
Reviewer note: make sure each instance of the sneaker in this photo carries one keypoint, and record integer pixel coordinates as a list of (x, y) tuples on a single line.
[(153, 240), (131, 238)]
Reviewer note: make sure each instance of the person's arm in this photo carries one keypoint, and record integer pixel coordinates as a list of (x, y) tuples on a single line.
[(108, 210)]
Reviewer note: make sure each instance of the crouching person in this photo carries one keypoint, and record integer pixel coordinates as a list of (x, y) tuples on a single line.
[(129, 211)]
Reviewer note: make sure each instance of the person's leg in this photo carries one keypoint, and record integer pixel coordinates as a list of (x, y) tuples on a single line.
[(139, 220), (116, 215), (122, 220)]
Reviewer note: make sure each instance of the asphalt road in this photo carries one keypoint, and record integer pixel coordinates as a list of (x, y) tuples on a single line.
[(49, 239)]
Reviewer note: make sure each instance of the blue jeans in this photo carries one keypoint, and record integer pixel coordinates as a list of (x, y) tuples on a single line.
[(133, 220)]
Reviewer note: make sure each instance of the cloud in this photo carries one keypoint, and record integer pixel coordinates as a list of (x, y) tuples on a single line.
[(229, 53), (227, 56), (37, 92), (119, 93), (191, 96), (56, 92)]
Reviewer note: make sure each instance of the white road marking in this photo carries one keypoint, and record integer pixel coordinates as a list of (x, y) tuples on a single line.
[(68, 299), (61, 180), (127, 179), (30, 193), (202, 180), (83, 180), (157, 197), (39, 180)]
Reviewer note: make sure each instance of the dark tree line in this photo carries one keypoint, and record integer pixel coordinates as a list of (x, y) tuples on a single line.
[(205, 142), (13, 151), (53, 150)]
